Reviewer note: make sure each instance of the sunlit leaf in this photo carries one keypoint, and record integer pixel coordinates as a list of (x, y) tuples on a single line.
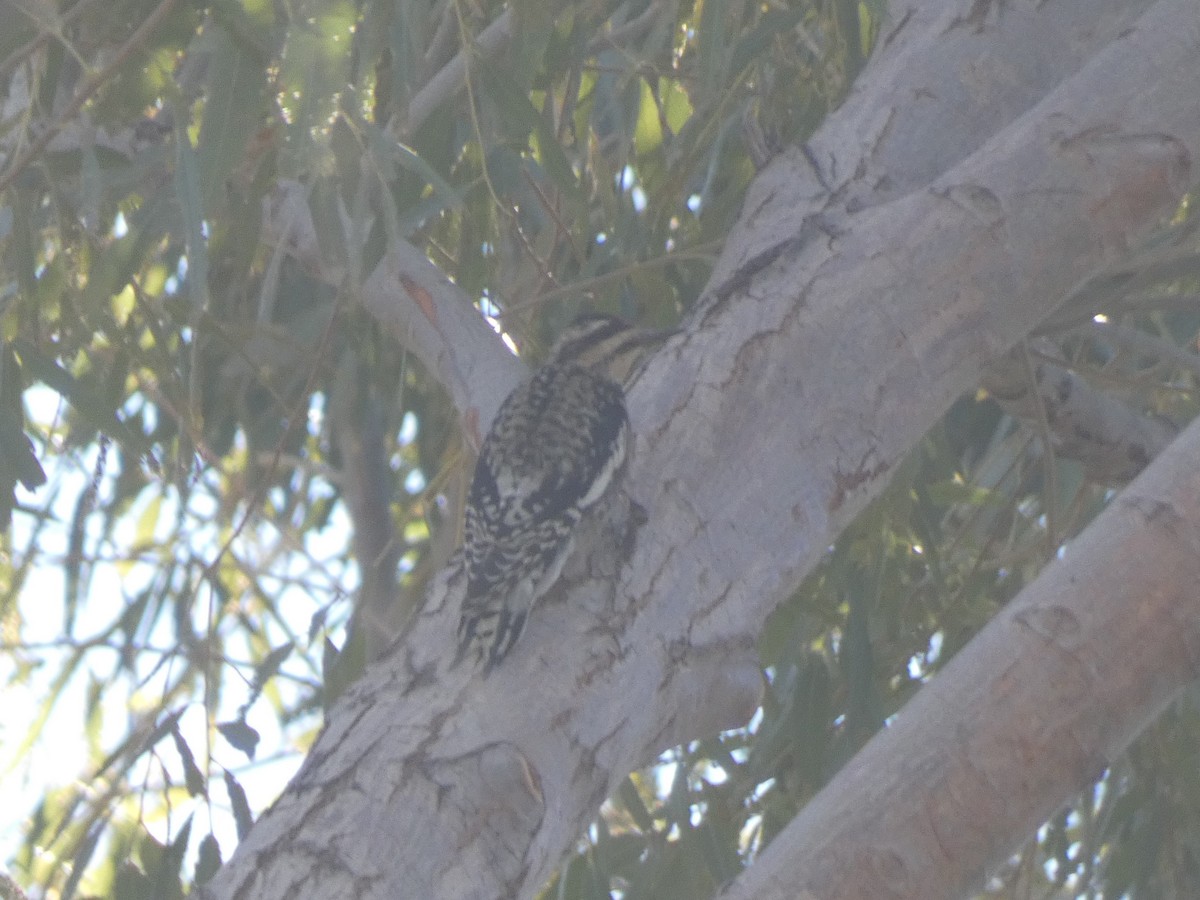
[(313, 72)]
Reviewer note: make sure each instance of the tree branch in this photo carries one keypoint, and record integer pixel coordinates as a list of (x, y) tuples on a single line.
[(450, 78), (1028, 713), (424, 311), (836, 350)]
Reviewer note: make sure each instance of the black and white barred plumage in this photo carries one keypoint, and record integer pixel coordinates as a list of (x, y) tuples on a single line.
[(553, 450)]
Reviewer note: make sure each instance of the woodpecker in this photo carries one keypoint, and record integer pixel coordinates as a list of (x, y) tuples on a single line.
[(554, 449)]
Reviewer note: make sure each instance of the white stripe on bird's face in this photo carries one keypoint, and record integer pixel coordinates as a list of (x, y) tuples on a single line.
[(605, 344)]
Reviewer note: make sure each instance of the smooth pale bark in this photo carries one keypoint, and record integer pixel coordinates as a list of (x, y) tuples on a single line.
[(1030, 712), (827, 344)]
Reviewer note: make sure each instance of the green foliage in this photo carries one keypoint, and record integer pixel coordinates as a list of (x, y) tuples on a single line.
[(183, 583)]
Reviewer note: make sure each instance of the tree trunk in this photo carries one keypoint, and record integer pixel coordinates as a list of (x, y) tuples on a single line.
[(864, 289)]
